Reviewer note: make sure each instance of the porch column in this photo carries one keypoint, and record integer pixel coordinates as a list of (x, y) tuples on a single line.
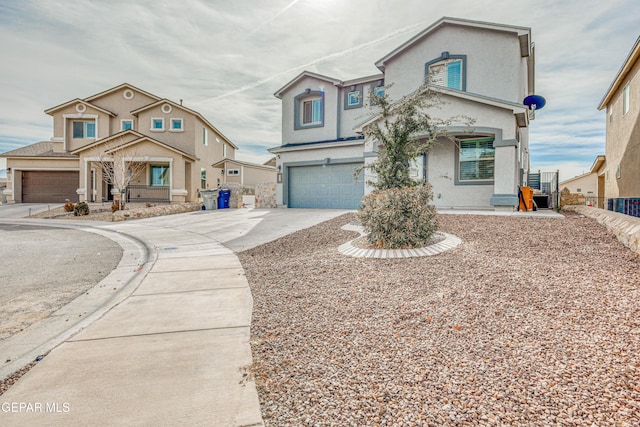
[(505, 187)]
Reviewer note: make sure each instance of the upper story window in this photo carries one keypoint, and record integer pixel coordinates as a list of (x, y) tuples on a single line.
[(353, 97), (309, 110), (126, 125), (312, 111), (157, 124), (447, 71), (626, 92), (476, 159), (176, 125), (205, 136), (84, 129)]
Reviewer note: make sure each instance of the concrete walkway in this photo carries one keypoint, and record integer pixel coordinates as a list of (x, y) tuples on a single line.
[(176, 350)]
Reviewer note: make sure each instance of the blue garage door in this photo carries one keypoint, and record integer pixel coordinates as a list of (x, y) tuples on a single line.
[(327, 186)]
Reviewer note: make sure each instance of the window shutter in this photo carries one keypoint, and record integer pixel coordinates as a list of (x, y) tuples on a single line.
[(436, 75), (454, 74)]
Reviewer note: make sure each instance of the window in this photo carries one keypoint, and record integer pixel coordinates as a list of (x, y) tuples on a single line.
[(126, 124), (205, 136), (447, 71), (203, 178), (233, 172), (476, 159), (625, 99), (618, 171), (606, 175), (224, 151), (579, 190), (309, 110), (353, 97), (447, 74), (379, 91), (157, 125), (312, 111), (176, 125), (84, 130), (159, 175)]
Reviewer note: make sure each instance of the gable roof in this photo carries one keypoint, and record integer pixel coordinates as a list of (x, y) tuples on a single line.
[(138, 138), (302, 75), (242, 163), (122, 86), (632, 58), (39, 149), (525, 32), (75, 101), (188, 110)]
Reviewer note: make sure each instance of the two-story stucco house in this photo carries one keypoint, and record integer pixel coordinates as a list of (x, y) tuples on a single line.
[(480, 70), (622, 152), (177, 147)]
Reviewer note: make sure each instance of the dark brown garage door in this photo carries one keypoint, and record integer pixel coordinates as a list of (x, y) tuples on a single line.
[(49, 187)]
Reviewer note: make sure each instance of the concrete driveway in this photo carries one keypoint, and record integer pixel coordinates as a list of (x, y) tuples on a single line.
[(175, 349)]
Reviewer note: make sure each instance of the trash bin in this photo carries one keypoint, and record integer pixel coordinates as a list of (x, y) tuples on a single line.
[(526, 199), (223, 199), (210, 198)]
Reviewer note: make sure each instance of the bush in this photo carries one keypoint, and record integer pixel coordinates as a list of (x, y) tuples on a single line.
[(115, 206), (399, 217), (81, 209), (68, 206)]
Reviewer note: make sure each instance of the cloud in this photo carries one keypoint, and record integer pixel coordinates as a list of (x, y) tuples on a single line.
[(226, 59)]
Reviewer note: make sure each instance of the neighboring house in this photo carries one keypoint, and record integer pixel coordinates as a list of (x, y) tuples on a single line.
[(176, 146), (590, 184), (244, 173), (622, 104), (481, 70)]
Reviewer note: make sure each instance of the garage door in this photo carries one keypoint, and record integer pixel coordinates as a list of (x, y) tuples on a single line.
[(326, 186), (49, 187)]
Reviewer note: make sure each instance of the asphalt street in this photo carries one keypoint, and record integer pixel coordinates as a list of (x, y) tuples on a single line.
[(42, 269)]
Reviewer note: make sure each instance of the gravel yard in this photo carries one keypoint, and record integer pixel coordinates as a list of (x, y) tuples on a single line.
[(529, 321)]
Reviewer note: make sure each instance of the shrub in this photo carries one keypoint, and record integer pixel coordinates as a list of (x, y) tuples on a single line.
[(81, 209), (115, 206), (399, 217), (68, 206)]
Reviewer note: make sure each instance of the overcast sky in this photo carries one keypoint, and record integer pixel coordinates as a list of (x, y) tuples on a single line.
[(226, 58)]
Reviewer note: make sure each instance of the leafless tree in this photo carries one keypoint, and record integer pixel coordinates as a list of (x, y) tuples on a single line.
[(120, 166)]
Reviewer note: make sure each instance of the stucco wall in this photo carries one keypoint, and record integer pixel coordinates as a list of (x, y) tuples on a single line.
[(586, 185), (494, 64), (326, 132), (623, 140)]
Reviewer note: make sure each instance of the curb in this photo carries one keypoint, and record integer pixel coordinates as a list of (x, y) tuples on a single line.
[(450, 241)]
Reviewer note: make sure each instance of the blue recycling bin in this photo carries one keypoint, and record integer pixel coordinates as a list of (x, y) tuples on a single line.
[(223, 199)]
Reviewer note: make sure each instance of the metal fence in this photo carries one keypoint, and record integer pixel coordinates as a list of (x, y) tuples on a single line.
[(547, 184), (147, 193), (625, 205)]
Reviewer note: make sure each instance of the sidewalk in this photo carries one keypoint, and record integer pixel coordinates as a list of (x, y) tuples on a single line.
[(176, 351)]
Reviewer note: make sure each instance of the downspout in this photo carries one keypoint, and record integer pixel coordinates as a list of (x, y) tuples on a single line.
[(338, 115)]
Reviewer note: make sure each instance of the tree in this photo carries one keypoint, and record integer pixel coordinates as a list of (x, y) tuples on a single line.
[(120, 166), (399, 213), (403, 131)]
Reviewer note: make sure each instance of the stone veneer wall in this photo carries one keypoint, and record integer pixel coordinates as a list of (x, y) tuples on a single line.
[(567, 198), (266, 195), (626, 228), (156, 211)]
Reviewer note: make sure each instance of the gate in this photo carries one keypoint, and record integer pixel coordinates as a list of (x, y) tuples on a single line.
[(547, 196)]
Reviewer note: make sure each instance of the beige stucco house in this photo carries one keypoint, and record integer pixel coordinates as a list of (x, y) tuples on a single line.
[(172, 146), (244, 173), (622, 104)]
